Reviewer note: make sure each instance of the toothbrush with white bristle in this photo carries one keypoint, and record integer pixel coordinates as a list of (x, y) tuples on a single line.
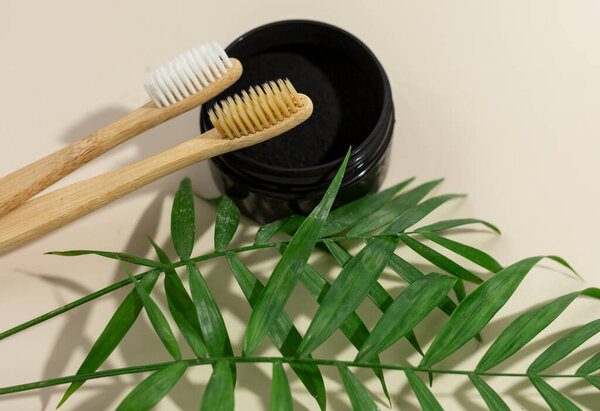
[(189, 80), (262, 113)]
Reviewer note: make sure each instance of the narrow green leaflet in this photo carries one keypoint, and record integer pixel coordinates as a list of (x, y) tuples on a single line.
[(408, 310), (476, 310), (358, 394), (524, 328), (410, 274), (218, 395), (404, 269), (425, 397), (281, 396), (448, 224), (591, 365), (289, 269), (211, 321), (157, 318), (392, 210), (595, 381), (181, 306), (479, 257), (491, 398), (562, 262), (553, 398), (418, 212), (564, 346), (338, 220), (150, 391), (345, 216), (353, 327), (228, 219), (183, 221), (283, 333), (377, 294), (130, 258), (439, 260), (347, 291), (113, 333), (267, 231)]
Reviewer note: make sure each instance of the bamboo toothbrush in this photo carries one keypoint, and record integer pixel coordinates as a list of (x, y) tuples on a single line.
[(240, 121), (191, 79)]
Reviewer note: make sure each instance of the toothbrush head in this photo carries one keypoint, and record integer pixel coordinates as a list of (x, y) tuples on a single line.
[(187, 74), (260, 108)]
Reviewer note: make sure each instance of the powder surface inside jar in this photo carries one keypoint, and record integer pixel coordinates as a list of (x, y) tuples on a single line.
[(341, 94)]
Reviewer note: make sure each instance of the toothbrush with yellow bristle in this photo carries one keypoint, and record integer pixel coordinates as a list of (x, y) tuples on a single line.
[(191, 79), (257, 115)]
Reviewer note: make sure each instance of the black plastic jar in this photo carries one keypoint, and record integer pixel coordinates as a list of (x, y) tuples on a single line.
[(352, 107)]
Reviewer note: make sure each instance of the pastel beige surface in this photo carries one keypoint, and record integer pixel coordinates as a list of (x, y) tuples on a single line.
[(500, 98)]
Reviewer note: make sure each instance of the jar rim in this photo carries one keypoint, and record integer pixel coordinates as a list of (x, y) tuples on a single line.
[(357, 153)]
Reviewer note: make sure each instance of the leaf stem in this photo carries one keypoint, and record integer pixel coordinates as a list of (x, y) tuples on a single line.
[(123, 283), (213, 360)]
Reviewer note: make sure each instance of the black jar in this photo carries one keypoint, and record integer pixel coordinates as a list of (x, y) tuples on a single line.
[(352, 107)]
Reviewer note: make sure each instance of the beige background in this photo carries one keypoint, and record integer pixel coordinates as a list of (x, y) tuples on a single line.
[(501, 98)]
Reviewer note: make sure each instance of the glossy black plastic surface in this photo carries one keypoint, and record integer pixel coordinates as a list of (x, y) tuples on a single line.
[(352, 77)]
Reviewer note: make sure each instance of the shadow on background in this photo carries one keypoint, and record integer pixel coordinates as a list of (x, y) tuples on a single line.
[(141, 345)]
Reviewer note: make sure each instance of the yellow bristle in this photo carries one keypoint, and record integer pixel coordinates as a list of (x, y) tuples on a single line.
[(258, 108)]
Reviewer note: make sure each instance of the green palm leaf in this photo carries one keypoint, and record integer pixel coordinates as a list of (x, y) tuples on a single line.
[(410, 273), (353, 327), (181, 306), (418, 212), (425, 397), (228, 219), (347, 292), (117, 327), (553, 398), (459, 222), (130, 258), (288, 271), (565, 345), (591, 365), (345, 216), (281, 396), (377, 294), (409, 308), (211, 321), (338, 220), (359, 397), (284, 335), (150, 391), (524, 328), (479, 257), (392, 210), (218, 395), (477, 310), (439, 260), (595, 381), (183, 221), (157, 318), (491, 398), (287, 225)]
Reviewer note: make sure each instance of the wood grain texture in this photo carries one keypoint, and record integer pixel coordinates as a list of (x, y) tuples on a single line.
[(55, 209), (21, 185)]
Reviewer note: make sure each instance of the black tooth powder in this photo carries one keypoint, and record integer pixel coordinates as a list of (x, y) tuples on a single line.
[(352, 107)]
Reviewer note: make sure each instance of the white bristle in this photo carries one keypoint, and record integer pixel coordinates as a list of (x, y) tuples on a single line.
[(187, 74)]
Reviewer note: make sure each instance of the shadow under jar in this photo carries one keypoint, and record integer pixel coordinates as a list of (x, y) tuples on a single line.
[(352, 107)]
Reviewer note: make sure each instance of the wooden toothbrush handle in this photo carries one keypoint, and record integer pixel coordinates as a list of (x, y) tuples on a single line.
[(21, 185), (57, 208)]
